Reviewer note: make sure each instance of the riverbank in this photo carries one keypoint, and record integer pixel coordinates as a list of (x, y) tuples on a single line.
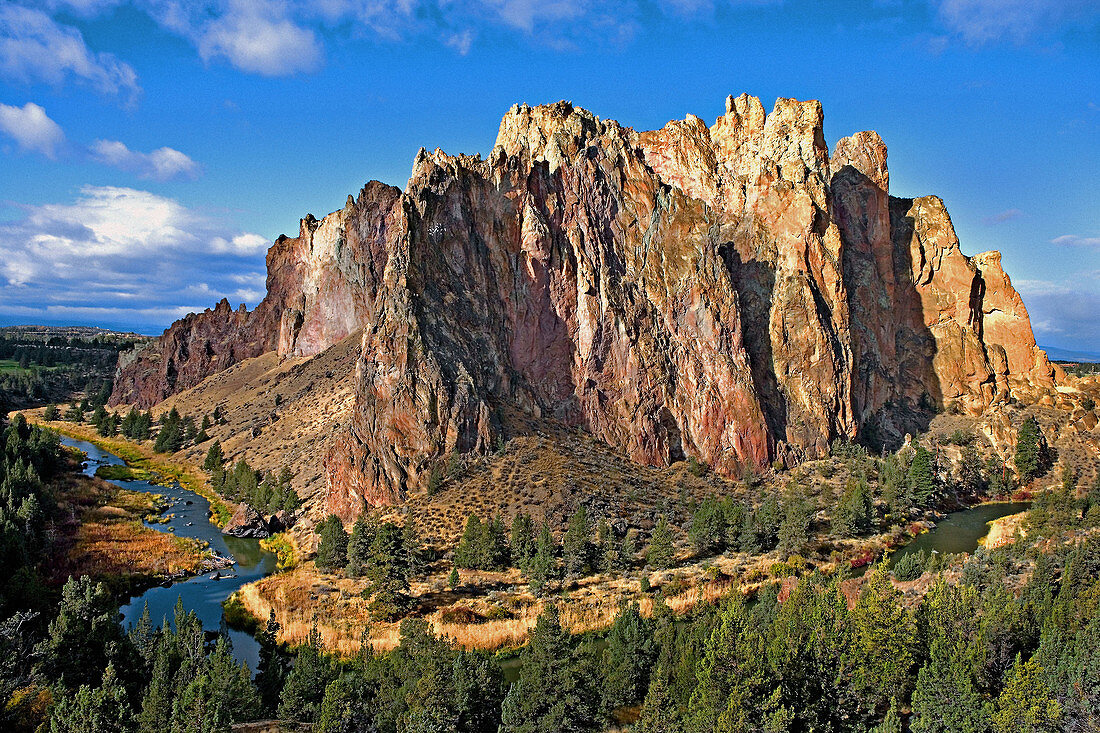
[(234, 561), (104, 536), (142, 456), (496, 610)]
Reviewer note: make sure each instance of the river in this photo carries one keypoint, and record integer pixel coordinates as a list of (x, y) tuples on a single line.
[(959, 531), (200, 594)]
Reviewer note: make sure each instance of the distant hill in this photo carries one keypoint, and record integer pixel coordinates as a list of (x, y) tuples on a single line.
[(46, 332), (1057, 354)]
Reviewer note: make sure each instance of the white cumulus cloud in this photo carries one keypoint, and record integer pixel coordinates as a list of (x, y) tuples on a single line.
[(36, 48), (254, 36), (32, 129), (126, 254), (161, 164)]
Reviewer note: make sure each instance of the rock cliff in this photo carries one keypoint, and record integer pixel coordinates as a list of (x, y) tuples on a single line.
[(734, 293)]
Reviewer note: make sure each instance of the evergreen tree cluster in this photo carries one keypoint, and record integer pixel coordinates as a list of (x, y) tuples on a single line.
[(29, 457), (1010, 643), (176, 432), (171, 678), (911, 479), (56, 368), (728, 525), (855, 512), (387, 554), (137, 425), (267, 493), (485, 545)]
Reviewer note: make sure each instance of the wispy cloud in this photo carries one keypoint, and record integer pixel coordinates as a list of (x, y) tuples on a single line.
[(1076, 240), (35, 48), (980, 22), (1065, 311), (32, 129), (124, 254), (286, 37), (1041, 287), (161, 164), (1002, 217)]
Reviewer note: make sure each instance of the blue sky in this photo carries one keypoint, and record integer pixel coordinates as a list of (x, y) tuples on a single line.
[(150, 150)]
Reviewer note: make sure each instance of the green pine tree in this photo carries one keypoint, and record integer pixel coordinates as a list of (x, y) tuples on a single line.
[(549, 663), (576, 548), (660, 554), (332, 552), (305, 685), (1029, 457)]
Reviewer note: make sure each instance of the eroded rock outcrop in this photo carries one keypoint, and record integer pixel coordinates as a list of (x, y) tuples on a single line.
[(731, 292)]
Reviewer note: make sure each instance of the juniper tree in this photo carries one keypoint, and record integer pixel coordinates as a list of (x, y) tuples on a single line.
[(794, 530), (471, 548), (1028, 457), (708, 527), (332, 552), (853, 513), (215, 458), (627, 659), (660, 553), (921, 480), (544, 565), (522, 541), (359, 545), (549, 663), (576, 549), (305, 685)]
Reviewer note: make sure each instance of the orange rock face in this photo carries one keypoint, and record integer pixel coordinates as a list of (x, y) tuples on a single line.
[(733, 293)]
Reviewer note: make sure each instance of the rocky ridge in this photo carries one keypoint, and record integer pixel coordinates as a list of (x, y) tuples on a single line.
[(734, 293)]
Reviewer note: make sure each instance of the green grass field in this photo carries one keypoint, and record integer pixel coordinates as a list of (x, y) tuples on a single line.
[(9, 366)]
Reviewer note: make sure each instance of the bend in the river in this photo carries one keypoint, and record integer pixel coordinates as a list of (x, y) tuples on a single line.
[(204, 593)]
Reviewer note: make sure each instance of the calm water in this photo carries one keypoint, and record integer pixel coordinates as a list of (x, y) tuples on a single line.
[(200, 594), (960, 531)]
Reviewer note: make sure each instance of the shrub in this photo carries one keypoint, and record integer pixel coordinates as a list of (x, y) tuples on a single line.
[(910, 567), (961, 437), (781, 570), (332, 553)]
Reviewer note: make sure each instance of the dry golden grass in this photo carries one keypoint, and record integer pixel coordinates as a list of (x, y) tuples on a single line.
[(126, 547), (105, 537), (499, 618), (1003, 531)]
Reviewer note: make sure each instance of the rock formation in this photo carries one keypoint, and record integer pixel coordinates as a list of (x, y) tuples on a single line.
[(247, 522), (733, 293)]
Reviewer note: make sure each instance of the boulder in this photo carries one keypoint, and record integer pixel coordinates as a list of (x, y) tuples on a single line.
[(247, 522)]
